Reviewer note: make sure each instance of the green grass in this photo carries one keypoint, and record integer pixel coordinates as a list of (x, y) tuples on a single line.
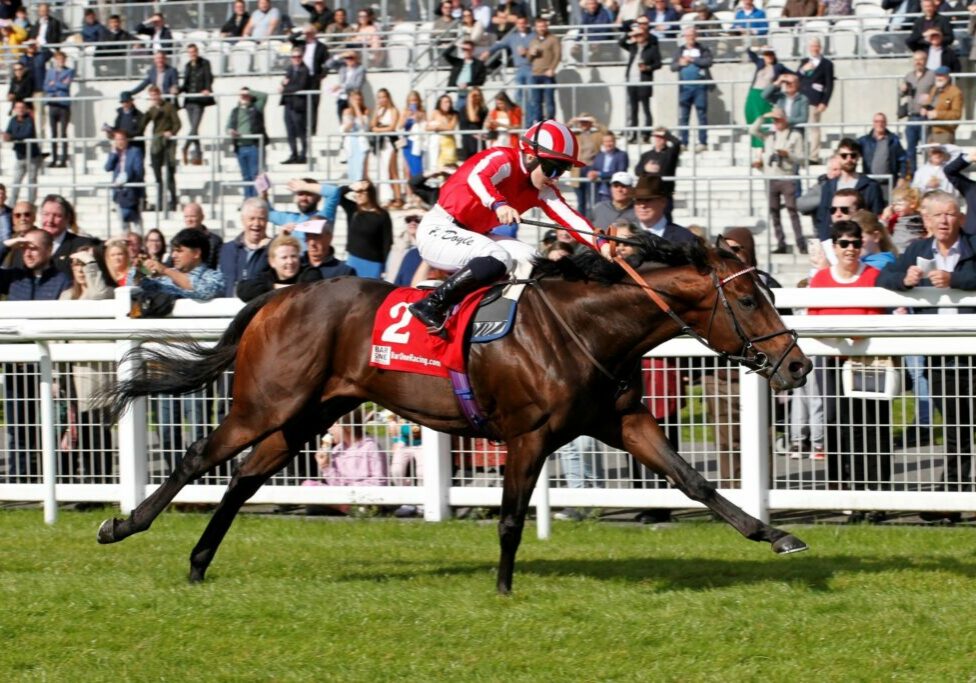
[(297, 599)]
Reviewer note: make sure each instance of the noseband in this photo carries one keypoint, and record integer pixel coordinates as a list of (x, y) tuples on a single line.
[(748, 354)]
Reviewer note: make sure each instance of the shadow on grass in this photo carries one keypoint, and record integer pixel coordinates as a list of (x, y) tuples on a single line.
[(681, 574)]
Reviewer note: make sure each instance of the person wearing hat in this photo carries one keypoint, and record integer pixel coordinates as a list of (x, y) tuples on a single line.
[(609, 160), (319, 253), (589, 133), (643, 59), (782, 154), (768, 70), (931, 175), (930, 19), (619, 205), (650, 203), (945, 104), (127, 118)]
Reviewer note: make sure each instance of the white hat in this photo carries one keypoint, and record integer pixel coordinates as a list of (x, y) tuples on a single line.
[(624, 178)]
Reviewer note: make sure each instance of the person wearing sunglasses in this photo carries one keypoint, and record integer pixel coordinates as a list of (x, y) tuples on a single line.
[(849, 152), (857, 458), (491, 190)]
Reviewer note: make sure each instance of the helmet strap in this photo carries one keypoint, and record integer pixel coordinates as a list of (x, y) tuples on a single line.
[(535, 148)]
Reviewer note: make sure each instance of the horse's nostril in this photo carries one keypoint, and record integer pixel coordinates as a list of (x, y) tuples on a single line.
[(797, 368)]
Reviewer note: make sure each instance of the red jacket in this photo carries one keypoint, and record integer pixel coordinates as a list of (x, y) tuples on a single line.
[(497, 176)]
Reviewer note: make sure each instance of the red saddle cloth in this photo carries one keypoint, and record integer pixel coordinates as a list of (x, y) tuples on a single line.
[(402, 343)]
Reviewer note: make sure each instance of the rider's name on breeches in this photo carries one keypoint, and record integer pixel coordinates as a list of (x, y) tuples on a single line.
[(446, 246)]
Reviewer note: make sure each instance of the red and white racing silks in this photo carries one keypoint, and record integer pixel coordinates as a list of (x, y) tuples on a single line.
[(496, 176)]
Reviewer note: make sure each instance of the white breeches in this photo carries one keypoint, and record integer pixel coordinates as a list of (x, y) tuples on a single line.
[(446, 246)]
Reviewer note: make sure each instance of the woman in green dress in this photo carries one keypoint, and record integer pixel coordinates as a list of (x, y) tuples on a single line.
[(768, 69)]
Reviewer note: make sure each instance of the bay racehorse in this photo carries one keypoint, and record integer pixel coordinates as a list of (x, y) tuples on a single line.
[(570, 366)]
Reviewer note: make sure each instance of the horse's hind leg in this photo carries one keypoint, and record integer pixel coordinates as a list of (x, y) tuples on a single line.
[(266, 459), (640, 434), (233, 435), (522, 468)]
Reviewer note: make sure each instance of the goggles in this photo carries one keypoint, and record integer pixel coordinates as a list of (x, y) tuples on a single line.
[(552, 168)]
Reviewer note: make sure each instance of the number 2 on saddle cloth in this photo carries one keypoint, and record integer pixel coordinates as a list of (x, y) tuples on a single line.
[(401, 343)]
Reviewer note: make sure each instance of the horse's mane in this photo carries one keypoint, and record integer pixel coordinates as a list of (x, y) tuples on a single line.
[(587, 264)]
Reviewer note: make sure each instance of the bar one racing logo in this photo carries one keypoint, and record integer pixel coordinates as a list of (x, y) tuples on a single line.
[(380, 355)]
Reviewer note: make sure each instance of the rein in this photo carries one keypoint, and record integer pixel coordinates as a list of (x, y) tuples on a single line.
[(756, 361), (622, 385)]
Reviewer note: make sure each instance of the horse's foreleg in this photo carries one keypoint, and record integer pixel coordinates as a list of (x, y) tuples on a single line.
[(268, 457), (641, 435), (522, 467), (229, 439)]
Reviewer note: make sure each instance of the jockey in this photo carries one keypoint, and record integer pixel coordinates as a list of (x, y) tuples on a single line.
[(493, 188)]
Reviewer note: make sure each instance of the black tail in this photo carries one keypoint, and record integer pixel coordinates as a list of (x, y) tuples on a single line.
[(181, 365)]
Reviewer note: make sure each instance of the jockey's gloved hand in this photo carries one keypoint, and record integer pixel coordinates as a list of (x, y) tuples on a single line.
[(605, 251), (506, 214)]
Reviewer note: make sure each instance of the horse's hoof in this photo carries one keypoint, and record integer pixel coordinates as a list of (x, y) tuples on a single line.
[(106, 532), (196, 575), (789, 544)]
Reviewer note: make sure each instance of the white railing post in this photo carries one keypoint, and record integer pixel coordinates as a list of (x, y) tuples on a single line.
[(49, 462), (543, 512), (754, 443), (132, 438), (436, 453)]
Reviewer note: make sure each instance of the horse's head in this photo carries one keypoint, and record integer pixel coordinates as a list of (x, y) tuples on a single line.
[(736, 316)]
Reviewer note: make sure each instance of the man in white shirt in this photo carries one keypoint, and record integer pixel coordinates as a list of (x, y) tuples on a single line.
[(945, 260), (48, 30), (931, 175)]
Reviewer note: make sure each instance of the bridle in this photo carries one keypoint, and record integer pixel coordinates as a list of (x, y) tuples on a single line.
[(748, 354)]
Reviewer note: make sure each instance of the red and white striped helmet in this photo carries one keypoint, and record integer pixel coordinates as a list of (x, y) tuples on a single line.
[(551, 139)]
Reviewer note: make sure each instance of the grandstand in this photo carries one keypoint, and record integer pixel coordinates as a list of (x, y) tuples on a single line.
[(716, 188)]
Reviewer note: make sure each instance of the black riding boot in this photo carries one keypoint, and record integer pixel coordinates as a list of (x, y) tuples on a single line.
[(432, 310)]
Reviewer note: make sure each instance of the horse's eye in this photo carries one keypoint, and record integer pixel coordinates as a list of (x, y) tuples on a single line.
[(747, 302)]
